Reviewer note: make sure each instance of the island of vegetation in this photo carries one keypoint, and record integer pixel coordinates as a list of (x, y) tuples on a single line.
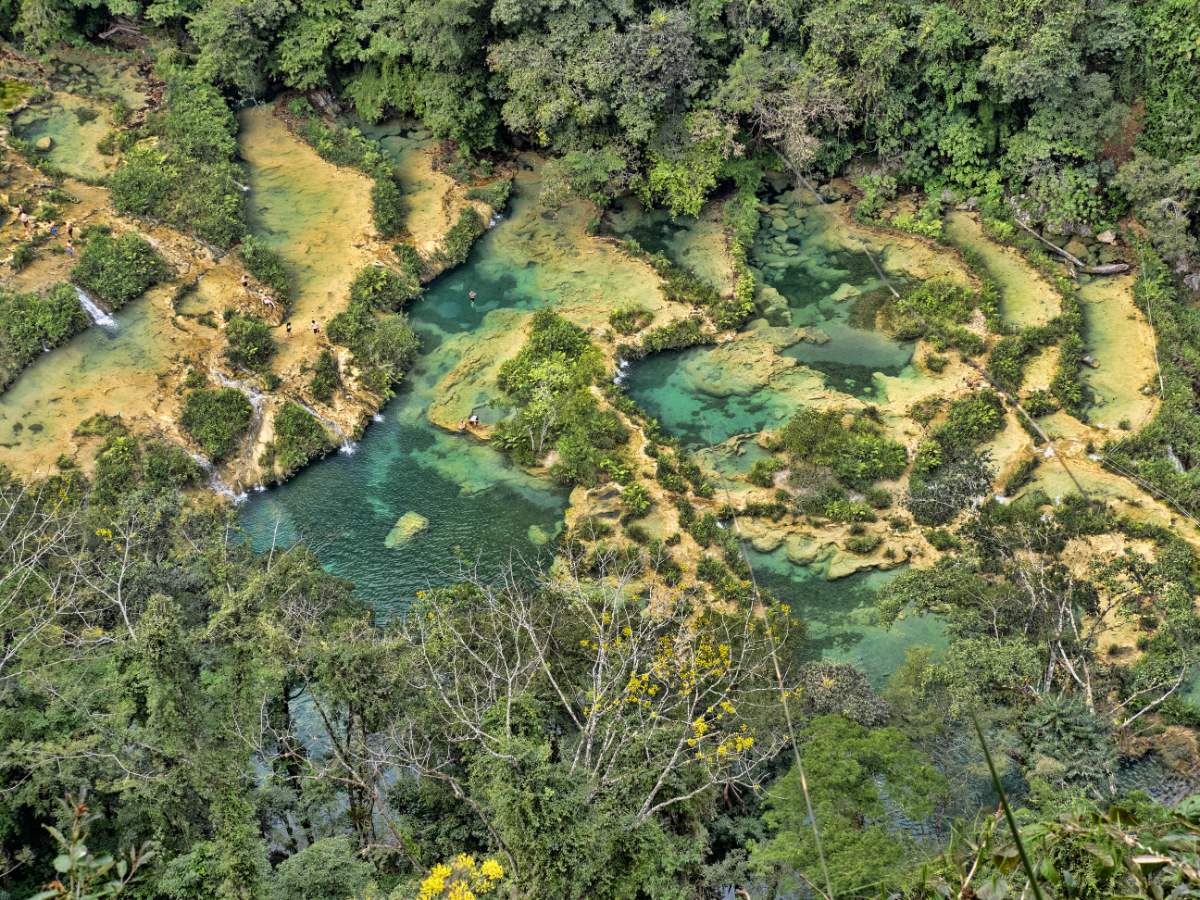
[(460, 449)]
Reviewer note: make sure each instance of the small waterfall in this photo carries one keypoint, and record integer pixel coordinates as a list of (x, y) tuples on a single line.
[(378, 417), (201, 461), (622, 372), (237, 498), (97, 315), (347, 446)]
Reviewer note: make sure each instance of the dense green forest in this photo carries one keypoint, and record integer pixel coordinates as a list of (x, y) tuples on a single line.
[(181, 717)]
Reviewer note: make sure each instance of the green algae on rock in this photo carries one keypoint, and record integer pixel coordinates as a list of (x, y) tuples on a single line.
[(407, 527)]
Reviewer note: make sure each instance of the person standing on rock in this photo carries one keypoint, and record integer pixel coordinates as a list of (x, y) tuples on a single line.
[(315, 327), (288, 325)]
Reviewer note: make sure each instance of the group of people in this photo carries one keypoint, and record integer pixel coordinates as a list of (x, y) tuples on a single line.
[(268, 302), (31, 227)]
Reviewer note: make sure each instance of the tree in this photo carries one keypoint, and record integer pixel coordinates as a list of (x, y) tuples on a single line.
[(853, 769)]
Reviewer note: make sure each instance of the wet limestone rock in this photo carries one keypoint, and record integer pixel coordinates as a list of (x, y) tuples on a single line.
[(407, 527)]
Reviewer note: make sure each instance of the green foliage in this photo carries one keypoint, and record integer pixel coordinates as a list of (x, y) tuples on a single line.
[(858, 452), (494, 194), (384, 346), (549, 381), (117, 271), (677, 335), (267, 266), (457, 243), (248, 342), (32, 323), (682, 285), (847, 764), (636, 500), (630, 318), (937, 309), (325, 378), (342, 146), (387, 206), (327, 869), (216, 419), (925, 222), (298, 437), (188, 178), (381, 288), (1013, 352)]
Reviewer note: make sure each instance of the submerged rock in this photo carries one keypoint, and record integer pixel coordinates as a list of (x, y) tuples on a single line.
[(407, 527), (43, 143)]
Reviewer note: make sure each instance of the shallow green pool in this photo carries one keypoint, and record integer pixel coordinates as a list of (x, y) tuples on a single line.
[(479, 508), (812, 278), (841, 619)]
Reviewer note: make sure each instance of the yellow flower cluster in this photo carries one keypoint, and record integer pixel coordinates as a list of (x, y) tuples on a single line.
[(462, 879)]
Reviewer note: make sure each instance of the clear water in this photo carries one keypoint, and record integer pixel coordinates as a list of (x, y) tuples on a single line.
[(814, 279), (480, 509), (841, 619), (669, 386), (75, 125), (100, 370)]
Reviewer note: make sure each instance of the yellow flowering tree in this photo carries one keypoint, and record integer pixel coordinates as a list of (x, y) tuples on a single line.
[(664, 698), (462, 879)]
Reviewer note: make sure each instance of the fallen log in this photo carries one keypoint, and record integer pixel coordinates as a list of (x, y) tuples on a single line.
[(1075, 261)]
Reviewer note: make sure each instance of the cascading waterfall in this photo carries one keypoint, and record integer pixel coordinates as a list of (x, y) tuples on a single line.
[(347, 447), (93, 309), (622, 372)]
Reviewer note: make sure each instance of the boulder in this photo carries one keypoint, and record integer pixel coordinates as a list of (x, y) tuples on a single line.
[(1107, 237), (43, 143), (407, 527), (1077, 248)]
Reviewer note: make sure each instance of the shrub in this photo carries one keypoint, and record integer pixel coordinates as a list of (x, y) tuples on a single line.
[(494, 195), (863, 543), (298, 438), (30, 323), (216, 419), (188, 179), (249, 342), (676, 335), (456, 246), (384, 347), (117, 271), (326, 378), (267, 266), (858, 453), (411, 264), (762, 473), (387, 206), (630, 318), (378, 287), (636, 500)]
